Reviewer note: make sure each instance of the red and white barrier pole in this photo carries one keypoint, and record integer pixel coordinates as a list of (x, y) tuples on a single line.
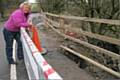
[(48, 73)]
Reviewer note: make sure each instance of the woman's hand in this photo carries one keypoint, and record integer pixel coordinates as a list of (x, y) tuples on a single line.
[(31, 26)]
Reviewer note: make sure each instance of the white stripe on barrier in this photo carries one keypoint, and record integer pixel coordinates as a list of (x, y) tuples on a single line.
[(13, 74), (48, 72)]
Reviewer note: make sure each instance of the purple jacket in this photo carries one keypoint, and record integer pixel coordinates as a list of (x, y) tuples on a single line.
[(16, 20)]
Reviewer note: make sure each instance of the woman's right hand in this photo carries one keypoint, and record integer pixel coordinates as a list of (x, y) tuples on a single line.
[(31, 26)]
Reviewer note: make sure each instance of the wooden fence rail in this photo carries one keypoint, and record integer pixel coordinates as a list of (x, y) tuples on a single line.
[(106, 21)]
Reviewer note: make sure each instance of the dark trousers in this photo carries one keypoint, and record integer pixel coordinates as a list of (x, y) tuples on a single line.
[(9, 37)]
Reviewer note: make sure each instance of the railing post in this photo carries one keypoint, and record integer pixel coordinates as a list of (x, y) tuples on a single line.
[(45, 21), (61, 25)]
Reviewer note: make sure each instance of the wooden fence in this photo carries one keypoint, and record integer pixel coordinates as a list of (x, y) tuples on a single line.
[(53, 24)]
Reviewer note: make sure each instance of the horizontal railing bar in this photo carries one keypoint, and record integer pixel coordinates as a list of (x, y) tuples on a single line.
[(106, 21), (117, 74)]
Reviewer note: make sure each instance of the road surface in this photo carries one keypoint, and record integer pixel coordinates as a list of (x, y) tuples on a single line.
[(5, 67)]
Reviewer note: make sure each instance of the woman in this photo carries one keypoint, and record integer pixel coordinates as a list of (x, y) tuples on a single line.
[(12, 30)]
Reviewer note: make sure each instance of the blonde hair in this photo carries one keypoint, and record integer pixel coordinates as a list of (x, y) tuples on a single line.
[(25, 3)]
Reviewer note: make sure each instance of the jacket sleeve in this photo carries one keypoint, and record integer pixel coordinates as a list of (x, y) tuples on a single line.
[(18, 20)]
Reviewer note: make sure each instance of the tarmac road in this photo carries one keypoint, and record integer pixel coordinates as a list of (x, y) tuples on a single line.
[(4, 67)]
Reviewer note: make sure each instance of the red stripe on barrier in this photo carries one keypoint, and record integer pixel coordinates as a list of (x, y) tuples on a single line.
[(34, 52), (29, 41), (45, 63), (30, 44), (25, 36), (48, 72)]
